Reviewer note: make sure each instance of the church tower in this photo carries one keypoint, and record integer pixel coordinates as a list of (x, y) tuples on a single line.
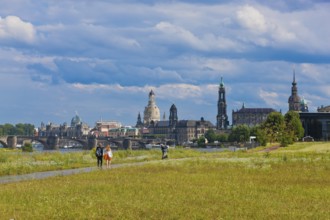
[(139, 123), (303, 105), (222, 118), (151, 111), (294, 99), (173, 116)]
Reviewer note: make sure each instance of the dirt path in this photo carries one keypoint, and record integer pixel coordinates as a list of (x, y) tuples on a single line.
[(270, 148), (46, 174)]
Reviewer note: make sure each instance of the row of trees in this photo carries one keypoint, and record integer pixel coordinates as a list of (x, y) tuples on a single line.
[(18, 129), (277, 128), (283, 129)]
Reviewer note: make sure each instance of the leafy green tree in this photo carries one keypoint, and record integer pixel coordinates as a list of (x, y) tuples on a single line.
[(294, 127), (201, 141), (240, 133), (8, 129), (222, 137), (210, 135), (274, 126), (262, 137), (254, 130), (18, 129)]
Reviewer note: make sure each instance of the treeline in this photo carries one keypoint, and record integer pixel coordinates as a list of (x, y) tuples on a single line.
[(18, 129), (284, 129)]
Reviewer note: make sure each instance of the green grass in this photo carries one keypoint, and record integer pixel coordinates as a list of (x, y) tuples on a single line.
[(289, 183), (15, 162)]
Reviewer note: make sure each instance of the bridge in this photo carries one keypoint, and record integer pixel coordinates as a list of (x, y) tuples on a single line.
[(86, 143)]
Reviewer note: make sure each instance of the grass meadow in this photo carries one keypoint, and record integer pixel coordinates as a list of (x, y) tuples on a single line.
[(288, 183)]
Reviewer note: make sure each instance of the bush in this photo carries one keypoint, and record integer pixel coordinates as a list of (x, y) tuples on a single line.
[(27, 147)]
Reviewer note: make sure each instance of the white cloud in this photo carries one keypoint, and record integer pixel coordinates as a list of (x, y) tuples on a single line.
[(252, 19), (203, 41), (175, 33), (270, 98), (266, 30), (312, 72), (12, 27)]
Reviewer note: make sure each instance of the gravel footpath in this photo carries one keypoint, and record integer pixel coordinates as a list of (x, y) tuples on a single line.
[(46, 174)]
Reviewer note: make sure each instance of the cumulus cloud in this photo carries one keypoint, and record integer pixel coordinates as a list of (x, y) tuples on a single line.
[(313, 72), (270, 98), (202, 41), (12, 27), (251, 18), (267, 30)]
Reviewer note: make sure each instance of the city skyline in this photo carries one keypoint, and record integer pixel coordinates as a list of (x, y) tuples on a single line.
[(101, 59)]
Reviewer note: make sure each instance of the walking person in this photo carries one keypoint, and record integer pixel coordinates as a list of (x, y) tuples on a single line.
[(164, 149), (108, 156), (99, 155)]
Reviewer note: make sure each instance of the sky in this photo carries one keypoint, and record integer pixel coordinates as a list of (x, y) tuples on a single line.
[(100, 59)]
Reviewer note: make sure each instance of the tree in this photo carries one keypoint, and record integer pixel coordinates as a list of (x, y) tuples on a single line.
[(18, 129), (293, 125), (222, 137), (261, 136), (201, 141), (240, 133), (210, 135), (274, 126)]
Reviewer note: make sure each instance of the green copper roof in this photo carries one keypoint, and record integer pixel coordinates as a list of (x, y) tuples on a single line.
[(221, 83)]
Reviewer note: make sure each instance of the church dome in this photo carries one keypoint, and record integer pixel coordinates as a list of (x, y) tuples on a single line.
[(294, 98), (303, 101), (151, 112), (76, 120)]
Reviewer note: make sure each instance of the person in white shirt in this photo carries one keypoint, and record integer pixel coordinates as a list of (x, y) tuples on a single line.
[(108, 156)]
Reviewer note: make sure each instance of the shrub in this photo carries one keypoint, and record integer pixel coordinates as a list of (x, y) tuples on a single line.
[(27, 147)]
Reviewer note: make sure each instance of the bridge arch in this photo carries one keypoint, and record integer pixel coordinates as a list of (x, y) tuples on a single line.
[(4, 144)]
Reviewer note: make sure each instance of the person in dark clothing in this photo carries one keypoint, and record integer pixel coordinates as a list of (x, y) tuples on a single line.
[(99, 155), (164, 149)]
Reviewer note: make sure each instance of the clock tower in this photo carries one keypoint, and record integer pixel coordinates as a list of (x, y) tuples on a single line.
[(222, 118)]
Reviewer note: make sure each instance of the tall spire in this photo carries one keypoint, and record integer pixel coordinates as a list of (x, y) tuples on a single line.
[(222, 118), (221, 83), (294, 99)]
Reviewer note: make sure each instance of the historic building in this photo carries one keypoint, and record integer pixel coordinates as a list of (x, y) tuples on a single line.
[(303, 105), (102, 127), (222, 118), (139, 123), (77, 129), (250, 116), (294, 100), (123, 132), (179, 130), (323, 109), (151, 111), (316, 124)]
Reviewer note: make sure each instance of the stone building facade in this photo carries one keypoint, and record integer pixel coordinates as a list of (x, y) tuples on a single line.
[(77, 129), (179, 130), (323, 109), (250, 116)]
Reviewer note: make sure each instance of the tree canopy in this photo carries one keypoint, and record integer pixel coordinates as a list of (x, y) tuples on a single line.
[(18, 129)]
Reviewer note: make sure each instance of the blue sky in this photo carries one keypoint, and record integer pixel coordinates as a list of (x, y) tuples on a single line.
[(101, 58)]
